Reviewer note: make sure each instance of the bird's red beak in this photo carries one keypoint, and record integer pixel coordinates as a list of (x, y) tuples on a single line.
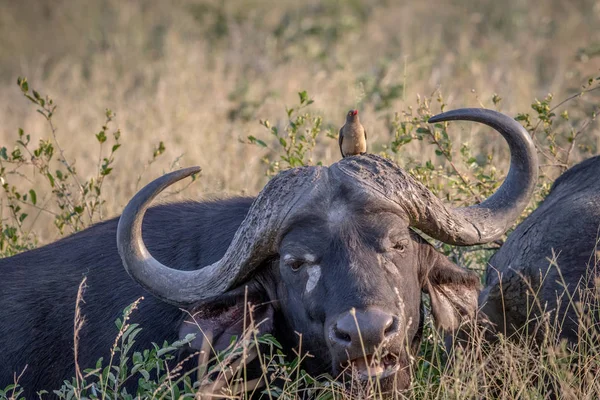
[(355, 112)]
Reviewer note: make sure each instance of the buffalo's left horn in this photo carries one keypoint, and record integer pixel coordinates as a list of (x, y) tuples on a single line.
[(254, 240), (489, 220), (476, 224)]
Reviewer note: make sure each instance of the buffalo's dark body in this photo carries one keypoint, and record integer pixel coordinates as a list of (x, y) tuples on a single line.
[(40, 289), (565, 227)]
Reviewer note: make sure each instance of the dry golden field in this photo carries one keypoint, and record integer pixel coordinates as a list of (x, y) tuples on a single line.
[(199, 75)]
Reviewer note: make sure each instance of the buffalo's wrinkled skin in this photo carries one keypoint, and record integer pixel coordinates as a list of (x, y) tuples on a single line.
[(564, 228)]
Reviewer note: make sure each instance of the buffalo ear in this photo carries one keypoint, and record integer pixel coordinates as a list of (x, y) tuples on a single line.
[(453, 292), (217, 322)]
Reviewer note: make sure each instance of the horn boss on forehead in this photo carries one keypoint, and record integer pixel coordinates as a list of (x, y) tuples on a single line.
[(472, 225)]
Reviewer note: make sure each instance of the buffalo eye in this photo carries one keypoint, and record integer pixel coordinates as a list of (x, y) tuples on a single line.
[(400, 246), (294, 264)]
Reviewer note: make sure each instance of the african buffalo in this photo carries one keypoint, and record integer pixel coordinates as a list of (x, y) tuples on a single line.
[(565, 229), (324, 249)]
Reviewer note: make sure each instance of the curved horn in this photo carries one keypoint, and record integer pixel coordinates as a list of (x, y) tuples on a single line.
[(254, 240), (489, 220), (461, 226)]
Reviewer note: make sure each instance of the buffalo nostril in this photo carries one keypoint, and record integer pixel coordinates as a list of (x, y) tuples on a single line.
[(392, 326), (341, 336)]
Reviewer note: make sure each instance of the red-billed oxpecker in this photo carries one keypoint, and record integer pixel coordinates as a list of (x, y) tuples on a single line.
[(353, 137)]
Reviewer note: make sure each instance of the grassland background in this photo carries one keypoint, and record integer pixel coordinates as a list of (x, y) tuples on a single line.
[(199, 75)]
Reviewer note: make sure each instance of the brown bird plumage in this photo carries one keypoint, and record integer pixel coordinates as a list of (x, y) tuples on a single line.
[(353, 137)]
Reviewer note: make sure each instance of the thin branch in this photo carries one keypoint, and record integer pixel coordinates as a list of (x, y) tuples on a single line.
[(62, 153), (578, 94), (576, 135), (78, 323), (449, 159)]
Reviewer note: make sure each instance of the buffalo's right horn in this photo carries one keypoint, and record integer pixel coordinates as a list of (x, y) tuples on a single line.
[(254, 240)]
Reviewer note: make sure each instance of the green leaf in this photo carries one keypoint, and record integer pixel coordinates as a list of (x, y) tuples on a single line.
[(101, 137), (522, 117), (50, 179), (159, 149), (23, 84), (165, 350), (303, 96), (33, 196)]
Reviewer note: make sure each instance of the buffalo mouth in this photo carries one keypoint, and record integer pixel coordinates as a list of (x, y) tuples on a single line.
[(370, 367)]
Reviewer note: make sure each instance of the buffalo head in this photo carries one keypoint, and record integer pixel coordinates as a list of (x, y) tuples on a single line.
[(332, 252)]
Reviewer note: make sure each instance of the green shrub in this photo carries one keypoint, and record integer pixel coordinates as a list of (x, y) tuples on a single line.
[(74, 202)]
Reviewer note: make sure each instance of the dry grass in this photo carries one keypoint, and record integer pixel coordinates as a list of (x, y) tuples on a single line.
[(524, 366), (198, 75)]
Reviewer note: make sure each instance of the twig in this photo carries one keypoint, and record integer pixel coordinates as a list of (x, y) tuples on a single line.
[(16, 380), (48, 116), (78, 322), (58, 146), (578, 94), (449, 159), (576, 135)]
